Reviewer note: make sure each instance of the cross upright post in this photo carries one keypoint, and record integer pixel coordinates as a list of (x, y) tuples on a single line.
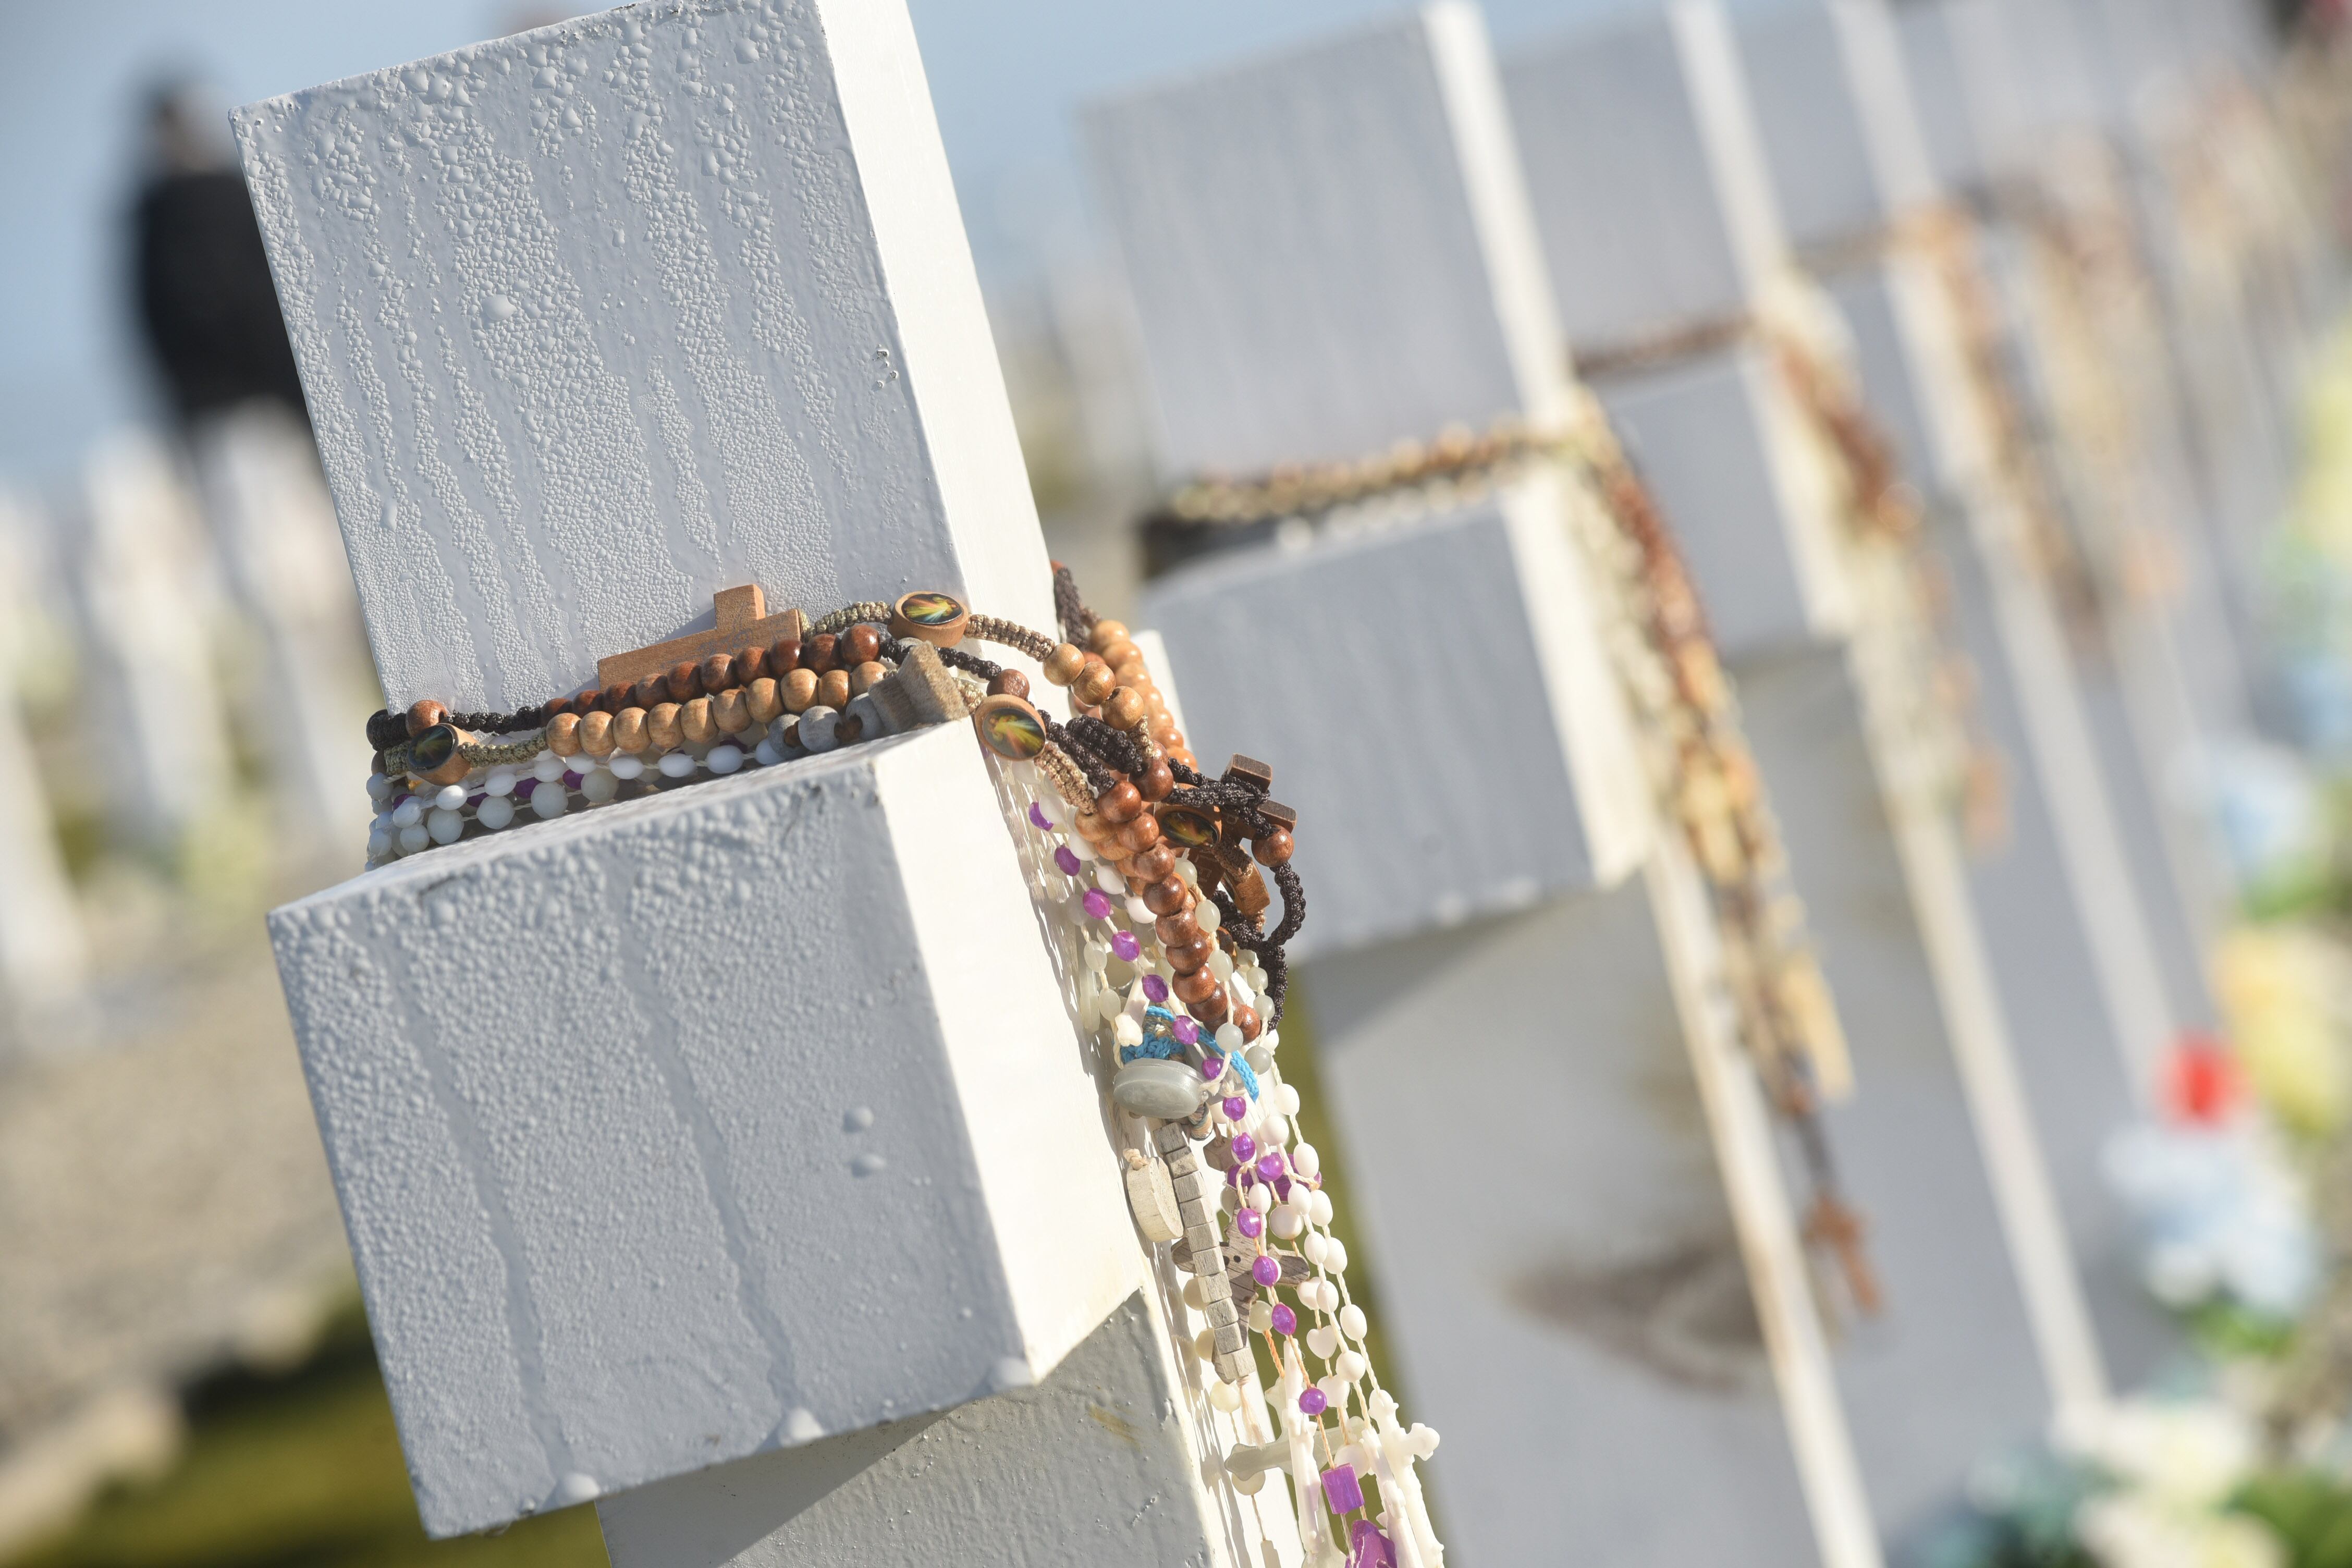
[(1330, 253), (730, 1155), (1684, 302)]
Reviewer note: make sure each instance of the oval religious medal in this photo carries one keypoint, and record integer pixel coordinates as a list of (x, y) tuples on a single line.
[(1189, 826), (1009, 728), (935, 618)]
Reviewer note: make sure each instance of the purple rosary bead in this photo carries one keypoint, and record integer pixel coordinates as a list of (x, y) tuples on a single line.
[(1367, 1547), (1269, 1165), (1037, 816), (1249, 1221), (1245, 1147), (1235, 1108), (1124, 945), (1311, 1400), (1265, 1271), (1187, 1031), (1285, 1322), (1213, 1070), (1155, 988), (1340, 1485), (1097, 906), (1068, 859)]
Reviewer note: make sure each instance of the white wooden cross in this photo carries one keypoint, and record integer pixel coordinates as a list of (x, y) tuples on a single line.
[(1331, 251), (43, 951), (1938, 1146), (728, 1144), (2064, 920)]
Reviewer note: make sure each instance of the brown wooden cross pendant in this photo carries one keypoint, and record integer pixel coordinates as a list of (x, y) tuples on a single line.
[(744, 622)]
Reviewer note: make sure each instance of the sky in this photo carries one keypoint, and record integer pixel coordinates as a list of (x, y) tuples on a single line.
[(1006, 75)]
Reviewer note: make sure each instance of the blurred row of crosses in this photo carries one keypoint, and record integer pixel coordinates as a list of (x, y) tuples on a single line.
[(736, 1158), (183, 677)]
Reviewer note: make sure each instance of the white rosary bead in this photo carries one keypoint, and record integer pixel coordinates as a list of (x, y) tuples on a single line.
[(1285, 1098), (724, 758), (1305, 1161), (1225, 1395), (1097, 955), (549, 768), (1140, 912), (1286, 1221), (1208, 916), (765, 753), (1260, 1197), (1220, 965), (549, 799), (1273, 1133), (1316, 1246), (1260, 1316), (625, 766), (1335, 1389), (1352, 1321), (494, 812), (1229, 1038), (678, 764), (408, 812), (500, 782), (1112, 1004), (1349, 1366), (1204, 1344), (444, 825), (450, 797), (1110, 880), (1271, 1040), (1187, 873), (379, 843), (379, 787), (413, 838), (1319, 1206), (600, 786), (1335, 1255)]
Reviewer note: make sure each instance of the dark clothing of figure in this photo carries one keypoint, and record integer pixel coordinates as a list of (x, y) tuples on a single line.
[(205, 299)]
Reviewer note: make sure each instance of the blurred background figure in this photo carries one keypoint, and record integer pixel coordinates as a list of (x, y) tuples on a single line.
[(205, 306)]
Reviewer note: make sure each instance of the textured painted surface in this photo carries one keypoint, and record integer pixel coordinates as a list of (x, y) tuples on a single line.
[(1087, 1469), (1645, 121), (1846, 155), (1376, 282), (1398, 850), (44, 953), (700, 1124), (1722, 445), (1596, 1366), (597, 319)]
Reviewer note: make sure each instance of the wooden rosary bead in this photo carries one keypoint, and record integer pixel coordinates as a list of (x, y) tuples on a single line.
[(1065, 663), (661, 727), (1107, 633), (685, 680), (1120, 805), (800, 690), (861, 644), (1096, 684), (1197, 986), (1154, 863), (1164, 895), (784, 657), (1247, 1020), (1009, 683), (818, 652), (563, 734), (424, 713), (767, 699), (730, 712), (629, 730), (1124, 710), (612, 699), (1156, 782), (1161, 727), (750, 664), (847, 730), (1272, 848), (557, 705), (717, 673), (832, 689), (1142, 833), (694, 724), (1179, 931), (597, 734), (867, 675), (1186, 957), (1120, 652), (653, 689), (1177, 752), (1210, 1010)]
